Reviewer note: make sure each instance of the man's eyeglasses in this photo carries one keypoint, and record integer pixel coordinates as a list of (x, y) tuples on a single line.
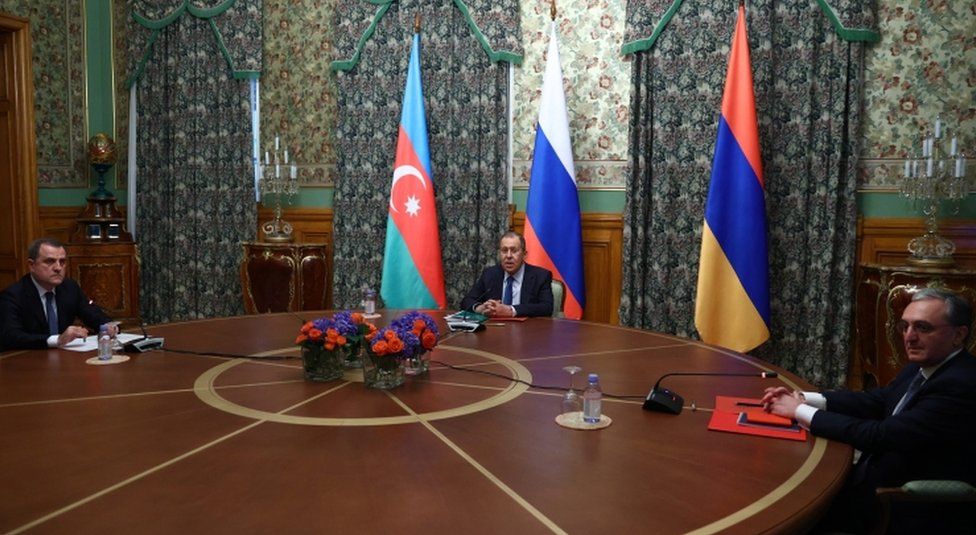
[(921, 327)]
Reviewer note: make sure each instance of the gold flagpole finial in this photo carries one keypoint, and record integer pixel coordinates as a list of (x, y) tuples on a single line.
[(552, 10), (742, 3), (416, 23)]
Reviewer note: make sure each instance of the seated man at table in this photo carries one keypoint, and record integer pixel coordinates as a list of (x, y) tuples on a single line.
[(511, 288), (917, 427), (39, 310)]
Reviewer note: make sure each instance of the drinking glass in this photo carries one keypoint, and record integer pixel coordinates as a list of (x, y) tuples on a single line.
[(572, 401)]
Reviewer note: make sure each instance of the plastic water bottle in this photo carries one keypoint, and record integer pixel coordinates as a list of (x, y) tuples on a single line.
[(369, 301), (104, 343), (592, 399)]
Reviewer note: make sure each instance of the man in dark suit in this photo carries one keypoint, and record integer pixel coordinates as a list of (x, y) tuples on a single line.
[(917, 427), (511, 288), (39, 310)]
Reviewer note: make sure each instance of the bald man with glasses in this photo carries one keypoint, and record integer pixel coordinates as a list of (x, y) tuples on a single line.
[(40, 310), (917, 427)]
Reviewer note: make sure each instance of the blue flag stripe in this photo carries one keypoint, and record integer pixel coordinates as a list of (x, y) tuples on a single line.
[(550, 219), (736, 214), (414, 117)]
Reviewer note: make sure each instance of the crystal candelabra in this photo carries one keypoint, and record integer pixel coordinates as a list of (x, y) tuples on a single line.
[(279, 180), (935, 179)]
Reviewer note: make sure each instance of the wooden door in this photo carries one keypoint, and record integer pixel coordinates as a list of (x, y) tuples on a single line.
[(19, 222)]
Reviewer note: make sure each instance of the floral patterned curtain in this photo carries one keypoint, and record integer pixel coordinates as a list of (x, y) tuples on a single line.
[(466, 94), (195, 185), (807, 66)]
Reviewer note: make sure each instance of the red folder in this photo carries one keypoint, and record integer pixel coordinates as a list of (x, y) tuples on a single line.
[(746, 416)]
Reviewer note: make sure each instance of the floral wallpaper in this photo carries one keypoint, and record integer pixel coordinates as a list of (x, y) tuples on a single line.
[(298, 94), (924, 66), (596, 79), (58, 35)]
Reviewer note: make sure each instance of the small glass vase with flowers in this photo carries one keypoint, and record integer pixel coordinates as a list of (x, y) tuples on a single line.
[(328, 343), (390, 348), (425, 329)]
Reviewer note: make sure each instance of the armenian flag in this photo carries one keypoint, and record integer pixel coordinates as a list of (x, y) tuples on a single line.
[(732, 305)]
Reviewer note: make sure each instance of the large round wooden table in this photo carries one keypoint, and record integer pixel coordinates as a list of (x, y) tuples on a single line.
[(173, 442)]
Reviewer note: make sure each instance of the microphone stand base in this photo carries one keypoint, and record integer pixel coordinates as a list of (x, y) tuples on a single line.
[(663, 400)]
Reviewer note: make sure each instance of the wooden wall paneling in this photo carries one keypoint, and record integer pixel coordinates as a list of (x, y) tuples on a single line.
[(602, 252), (18, 152), (311, 225), (885, 240), (602, 264), (59, 222)]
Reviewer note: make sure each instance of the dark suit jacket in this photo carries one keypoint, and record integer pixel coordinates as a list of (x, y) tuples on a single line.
[(536, 292), (23, 324), (932, 437)]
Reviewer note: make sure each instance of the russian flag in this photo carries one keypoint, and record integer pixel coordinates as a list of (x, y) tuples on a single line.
[(732, 306), (552, 214), (413, 273)]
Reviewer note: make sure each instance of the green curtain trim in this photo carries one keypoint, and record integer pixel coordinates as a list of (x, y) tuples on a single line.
[(493, 55), (198, 12), (348, 64), (646, 44), (141, 66), (847, 34), (201, 13)]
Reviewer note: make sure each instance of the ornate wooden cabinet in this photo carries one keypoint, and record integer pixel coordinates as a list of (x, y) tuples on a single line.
[(109, 275), (280, 277), (882, 293)]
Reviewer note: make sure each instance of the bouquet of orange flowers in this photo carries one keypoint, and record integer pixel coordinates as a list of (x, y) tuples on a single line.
[(329, 344), (406, 337)]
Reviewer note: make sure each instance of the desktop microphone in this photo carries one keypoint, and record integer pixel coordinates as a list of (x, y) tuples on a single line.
[(141, 345), (664, 400)]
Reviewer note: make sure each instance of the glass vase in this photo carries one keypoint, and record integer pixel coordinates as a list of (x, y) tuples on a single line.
[(382, 372), (354, 357), (322, 364), (417, 365)]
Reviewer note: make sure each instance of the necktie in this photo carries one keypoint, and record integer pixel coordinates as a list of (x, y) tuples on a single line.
[(52, 313), (910, 393), (507, 295)]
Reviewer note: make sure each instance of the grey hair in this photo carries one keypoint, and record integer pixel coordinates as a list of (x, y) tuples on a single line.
[(958, 310)]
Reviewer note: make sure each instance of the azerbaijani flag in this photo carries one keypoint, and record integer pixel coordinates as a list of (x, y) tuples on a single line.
[(732, 307), (552, 213), (413, 274)]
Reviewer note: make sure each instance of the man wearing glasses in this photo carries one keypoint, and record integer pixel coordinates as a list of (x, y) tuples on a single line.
[(917, 427), (39, 310), (511, 288)]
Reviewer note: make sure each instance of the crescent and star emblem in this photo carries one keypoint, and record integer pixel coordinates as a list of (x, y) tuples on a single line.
[(413, 204)]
